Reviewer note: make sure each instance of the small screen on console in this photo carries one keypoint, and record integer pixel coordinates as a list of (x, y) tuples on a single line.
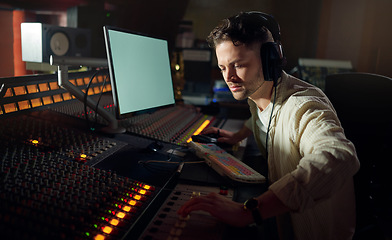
[(139, 68)]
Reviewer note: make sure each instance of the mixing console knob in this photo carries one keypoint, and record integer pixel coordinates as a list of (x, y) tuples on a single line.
[(90, 196)]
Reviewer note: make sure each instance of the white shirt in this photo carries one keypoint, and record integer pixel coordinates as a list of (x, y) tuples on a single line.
[(310, 162), (263, 121)]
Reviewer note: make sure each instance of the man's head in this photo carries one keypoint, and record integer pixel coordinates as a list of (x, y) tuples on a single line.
[(244, 44)]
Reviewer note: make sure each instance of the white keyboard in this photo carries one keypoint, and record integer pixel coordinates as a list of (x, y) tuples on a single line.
[(226, 164)]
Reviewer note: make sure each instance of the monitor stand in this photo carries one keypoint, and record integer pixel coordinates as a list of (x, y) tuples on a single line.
[(63, 82)]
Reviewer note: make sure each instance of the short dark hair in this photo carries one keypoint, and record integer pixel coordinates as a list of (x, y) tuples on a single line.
[(244, 28)]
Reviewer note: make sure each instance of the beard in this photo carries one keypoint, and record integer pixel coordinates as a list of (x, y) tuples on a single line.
[(246, 90), (240, 95)]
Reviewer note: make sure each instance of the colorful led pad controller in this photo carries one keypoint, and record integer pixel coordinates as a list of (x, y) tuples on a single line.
[(226, 164)]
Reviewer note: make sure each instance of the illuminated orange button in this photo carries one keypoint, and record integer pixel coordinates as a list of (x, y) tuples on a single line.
[(99, 237), (114, 222), (83, 155), (137, 197), (34, 141), (132, 202), (120, 215), (147, 187), (142, 191), (107, 229), (126, 208)]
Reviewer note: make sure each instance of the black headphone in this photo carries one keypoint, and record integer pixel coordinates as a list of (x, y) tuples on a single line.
[(271, 53), (272, 58)]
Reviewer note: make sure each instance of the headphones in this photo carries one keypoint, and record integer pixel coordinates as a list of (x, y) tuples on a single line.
[(271, 53)]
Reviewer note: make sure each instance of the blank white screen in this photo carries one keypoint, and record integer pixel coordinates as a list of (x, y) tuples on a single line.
[(141, 69)]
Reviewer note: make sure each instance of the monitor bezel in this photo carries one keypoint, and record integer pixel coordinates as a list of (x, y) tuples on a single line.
[(112, 75)]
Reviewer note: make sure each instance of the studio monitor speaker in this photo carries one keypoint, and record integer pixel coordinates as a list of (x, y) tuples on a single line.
[(39, 41)]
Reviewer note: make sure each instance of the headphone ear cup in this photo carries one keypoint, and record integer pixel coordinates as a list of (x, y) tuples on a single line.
[(271, 61)]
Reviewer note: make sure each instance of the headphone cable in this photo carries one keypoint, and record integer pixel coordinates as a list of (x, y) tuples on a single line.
[(268, 128)]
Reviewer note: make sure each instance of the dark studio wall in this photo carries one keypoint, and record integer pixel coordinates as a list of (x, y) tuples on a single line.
[(353, 30), (152, 17)]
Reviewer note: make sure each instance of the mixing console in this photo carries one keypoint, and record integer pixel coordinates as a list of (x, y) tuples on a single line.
[(61, 181), (70, 143), (175, 124), (76, 109), (198, 225), (49, 190), (172, 124)]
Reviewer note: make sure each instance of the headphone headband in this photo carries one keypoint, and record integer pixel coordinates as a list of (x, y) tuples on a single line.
[(269, 22), (271, 52)]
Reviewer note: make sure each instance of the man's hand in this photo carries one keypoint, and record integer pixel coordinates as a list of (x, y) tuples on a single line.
[(223, 136), (224, 209)]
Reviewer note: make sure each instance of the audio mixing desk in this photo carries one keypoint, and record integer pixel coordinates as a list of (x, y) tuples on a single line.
[(62, 179)]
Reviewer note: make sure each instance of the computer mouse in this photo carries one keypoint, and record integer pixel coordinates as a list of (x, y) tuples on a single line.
[(154, 146), (204, 139)]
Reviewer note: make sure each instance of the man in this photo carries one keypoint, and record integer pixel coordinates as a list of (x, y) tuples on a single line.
[(310, 162)]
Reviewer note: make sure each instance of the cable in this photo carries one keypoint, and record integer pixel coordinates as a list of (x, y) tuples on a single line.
[(99, 99), (167, 162), (92, 127), (86, 95), (170, 156), (268, 128), (159, 169), (149, 164)]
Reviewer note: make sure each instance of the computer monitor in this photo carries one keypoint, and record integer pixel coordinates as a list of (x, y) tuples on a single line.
[(139, 70)]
